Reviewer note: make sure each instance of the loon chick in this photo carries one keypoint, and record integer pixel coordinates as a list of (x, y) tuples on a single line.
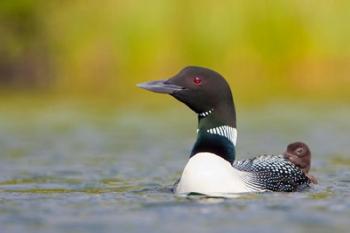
[(300, 154), (211, 168)]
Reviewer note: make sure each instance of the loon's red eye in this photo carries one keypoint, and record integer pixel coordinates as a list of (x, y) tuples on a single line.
[(197, 80)]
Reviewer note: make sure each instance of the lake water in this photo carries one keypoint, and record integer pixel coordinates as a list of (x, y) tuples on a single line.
[(64, 168)]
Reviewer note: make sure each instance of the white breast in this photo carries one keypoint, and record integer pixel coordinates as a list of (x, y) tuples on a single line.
[(210, 174)]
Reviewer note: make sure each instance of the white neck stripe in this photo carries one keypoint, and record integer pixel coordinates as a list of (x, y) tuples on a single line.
[(226, 131)]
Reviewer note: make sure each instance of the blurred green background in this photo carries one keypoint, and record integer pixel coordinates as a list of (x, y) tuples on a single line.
[(99, 50)]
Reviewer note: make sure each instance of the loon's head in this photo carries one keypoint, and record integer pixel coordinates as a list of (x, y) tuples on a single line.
[(201, 89), (208, 94)]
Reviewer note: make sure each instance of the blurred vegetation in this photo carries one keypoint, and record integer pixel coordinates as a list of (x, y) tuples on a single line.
[(100, 49)]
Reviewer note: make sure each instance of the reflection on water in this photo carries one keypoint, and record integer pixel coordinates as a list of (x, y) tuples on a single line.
[(70, 169)]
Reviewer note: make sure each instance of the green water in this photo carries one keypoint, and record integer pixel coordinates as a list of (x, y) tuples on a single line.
[(69, 169)]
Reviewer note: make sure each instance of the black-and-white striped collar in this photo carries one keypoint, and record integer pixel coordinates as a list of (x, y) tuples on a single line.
[(226, 131)]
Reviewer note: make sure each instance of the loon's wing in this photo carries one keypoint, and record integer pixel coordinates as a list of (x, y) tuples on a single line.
[(272, 173)]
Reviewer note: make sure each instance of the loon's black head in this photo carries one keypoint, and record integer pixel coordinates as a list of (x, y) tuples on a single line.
[(208, 94), (201, 89)]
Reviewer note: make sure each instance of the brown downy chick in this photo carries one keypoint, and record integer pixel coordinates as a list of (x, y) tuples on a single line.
[(300, 155)]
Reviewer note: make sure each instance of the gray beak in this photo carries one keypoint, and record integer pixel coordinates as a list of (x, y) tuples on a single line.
[(160, 86)]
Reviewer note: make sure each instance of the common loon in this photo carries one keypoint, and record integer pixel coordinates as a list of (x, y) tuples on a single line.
[(211, 168)]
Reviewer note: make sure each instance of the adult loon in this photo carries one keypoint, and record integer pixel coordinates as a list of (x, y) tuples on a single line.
[(211, 168)]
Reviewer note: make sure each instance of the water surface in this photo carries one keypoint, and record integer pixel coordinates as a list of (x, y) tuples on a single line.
[(69, 169)]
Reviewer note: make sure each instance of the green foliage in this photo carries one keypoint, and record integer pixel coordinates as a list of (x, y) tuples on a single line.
[(289, 48)]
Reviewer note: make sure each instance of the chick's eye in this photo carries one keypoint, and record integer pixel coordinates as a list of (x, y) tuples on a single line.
[(299, 151), (197, 80)]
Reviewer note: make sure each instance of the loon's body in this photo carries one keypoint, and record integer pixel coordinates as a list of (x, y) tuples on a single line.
[(212, 168), (259, 174)]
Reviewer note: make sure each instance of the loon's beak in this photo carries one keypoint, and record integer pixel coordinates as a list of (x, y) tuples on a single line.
[(160, 86)]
